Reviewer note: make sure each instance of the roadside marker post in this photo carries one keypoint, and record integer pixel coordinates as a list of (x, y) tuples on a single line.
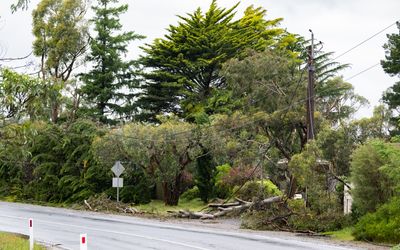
[(83, 242), (31, 234)]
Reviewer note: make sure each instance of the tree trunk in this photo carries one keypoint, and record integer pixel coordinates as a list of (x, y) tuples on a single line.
[(54, 113), (172, 191)]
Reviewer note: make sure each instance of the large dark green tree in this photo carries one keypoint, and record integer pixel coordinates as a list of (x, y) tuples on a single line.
[(105, 86), (391, 65), (184, 66)]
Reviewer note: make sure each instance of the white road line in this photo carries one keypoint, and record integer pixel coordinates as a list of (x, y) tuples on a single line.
[(110, 231)]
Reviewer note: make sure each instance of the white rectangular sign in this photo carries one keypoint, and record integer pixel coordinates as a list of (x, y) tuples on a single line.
[(118, 182)]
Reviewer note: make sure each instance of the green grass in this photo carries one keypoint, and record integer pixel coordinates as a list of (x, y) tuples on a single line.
[(344, 234), (9, 241), (158, 207)]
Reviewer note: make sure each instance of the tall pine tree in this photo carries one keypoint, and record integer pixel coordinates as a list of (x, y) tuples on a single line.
[(106, 86)]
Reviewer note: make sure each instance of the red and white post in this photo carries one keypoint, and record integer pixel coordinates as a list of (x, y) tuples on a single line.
[(83, 242), (31, 234)]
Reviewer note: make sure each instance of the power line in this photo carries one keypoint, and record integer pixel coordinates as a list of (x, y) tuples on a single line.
[(366, 40), (361, 72)]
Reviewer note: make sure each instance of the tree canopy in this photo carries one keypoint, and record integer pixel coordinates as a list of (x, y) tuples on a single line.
[(185, 64)]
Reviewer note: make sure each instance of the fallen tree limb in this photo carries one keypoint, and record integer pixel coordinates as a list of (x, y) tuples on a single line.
[(88, 205), (225, 209), (214, 205)]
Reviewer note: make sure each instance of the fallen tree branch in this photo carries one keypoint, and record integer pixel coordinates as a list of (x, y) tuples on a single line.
[(224, 209), (88, 205)]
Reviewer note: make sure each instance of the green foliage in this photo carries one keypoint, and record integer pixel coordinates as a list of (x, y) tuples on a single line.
[(21, 96), (392, 57), (205, 175), (344, 234), (155, 149), (221, 189), (337, 101), (391, 66), (186, 63), (374, 173), (382, 225), (61, 36), (191, 194), (110, 73), (137, 185), (20, 4), (9, 241), (392, 98), (256, 189)]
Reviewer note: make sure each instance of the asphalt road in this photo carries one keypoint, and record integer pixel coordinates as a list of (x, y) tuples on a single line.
[(63, 227)]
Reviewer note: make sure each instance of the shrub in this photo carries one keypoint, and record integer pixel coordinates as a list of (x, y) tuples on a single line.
[(254, 189), (222, 189), (382, 225), (205, 176), (294, 215), (190, 194), (374, 170)]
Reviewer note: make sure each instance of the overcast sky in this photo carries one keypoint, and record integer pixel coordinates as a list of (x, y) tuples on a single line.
[(339, 24)]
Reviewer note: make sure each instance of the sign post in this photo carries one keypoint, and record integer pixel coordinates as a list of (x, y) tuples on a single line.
[(118, 169), (31, 241)]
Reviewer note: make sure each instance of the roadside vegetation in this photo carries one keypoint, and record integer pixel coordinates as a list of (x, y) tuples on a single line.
[(209, 121), (10, 241)]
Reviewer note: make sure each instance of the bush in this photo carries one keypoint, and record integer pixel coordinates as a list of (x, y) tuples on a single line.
[(330, 218), (374, 170), (254, 189), (190, 194), (222, 190), (382, 225), (205, 176)]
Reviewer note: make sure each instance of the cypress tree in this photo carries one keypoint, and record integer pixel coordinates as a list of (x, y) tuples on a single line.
[(184, 66)]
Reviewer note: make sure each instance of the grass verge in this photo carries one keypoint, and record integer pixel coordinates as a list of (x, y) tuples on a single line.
[(345, 234), (10, 241)]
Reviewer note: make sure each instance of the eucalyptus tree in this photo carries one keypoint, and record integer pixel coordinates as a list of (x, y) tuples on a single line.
[(21, 97), (61, 38), (106, 86)]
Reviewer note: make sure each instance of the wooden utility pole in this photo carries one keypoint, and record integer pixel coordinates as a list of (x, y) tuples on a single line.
[(310, 90)]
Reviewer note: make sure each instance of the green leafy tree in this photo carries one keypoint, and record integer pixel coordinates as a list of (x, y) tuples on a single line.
[(164, 155), (185, 65), (60, 32), (21, 97), (273, 82), (16, 169), (374, 169), (336, 100), (392, 57), (106, 84), (205, 174), (391, 66), (76, 147)]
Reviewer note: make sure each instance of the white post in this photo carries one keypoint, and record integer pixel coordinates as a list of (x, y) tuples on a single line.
[(31, 234), (118, 189), (83, 242)]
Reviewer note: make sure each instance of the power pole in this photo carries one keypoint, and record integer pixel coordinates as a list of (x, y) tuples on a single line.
[(310, 90)]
